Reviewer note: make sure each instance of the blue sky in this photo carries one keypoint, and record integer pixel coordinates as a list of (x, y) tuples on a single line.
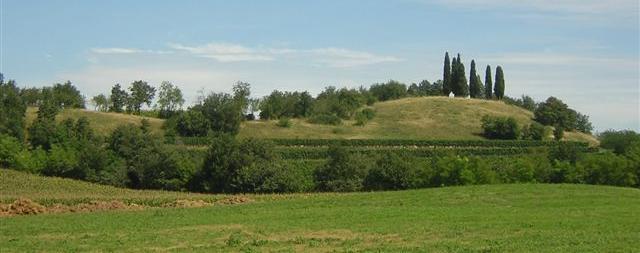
[(585, 52)]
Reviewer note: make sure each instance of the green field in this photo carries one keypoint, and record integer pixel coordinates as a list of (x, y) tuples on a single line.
[(408, 118), (506, 218)]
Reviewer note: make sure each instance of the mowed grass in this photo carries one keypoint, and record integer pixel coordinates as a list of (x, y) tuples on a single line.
[(408, 118), (102, 122), (496, 218), (50, 190)]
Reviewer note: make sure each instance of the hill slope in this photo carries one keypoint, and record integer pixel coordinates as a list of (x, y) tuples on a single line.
[(493, 218), (408, 118), (48, 190)]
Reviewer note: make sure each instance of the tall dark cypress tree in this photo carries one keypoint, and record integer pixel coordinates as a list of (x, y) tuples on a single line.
[(459, 86), (474, 90), (499, 89), (488, 84), (446, 79)]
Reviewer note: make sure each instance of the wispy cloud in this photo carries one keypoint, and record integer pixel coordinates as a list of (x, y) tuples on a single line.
[(345, 58), (330, 56), (224, 52), (120, 50), (548, 59)]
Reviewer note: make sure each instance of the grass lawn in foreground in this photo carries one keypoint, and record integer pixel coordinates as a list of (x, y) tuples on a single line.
[(509, 218)]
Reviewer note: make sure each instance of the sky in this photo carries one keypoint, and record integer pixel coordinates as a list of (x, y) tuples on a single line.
[(585, 52)]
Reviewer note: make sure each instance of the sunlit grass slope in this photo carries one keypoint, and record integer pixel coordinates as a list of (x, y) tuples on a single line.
[(493, 218), (47, 190), (409, 118)]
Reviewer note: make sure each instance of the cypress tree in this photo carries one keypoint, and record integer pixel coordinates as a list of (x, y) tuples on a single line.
[(474, 90), (488, 88), (459, 86), (446, 79), (499, 89)]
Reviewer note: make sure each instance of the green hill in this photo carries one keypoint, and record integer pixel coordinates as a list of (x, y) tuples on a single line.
[(490, 218), (50, 190), (408, 118)]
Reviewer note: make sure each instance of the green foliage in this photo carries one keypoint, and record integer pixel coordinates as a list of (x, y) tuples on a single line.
[(240, 166), (284, 122), (476, 88), (389, 91), (12, 110), (525, 102), (425, 88), (10, 147), (451, 170), (446, 78), (619, 142), (498, 90), (222, 111), (101, 103), (488, 84), (583, 124), (535, 131), (362, 117), (140, 93), (505, 128), (170, 99), (558, 132), (241, 93), (459, 85), (118, 99), (343, 172), (553, 112), (607, 169), (325, 119), (395, 172), (189, 123), (286, 104), (67, 96), (339, 102)]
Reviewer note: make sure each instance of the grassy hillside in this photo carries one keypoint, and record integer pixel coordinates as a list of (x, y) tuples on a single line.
[(496, 218), (49, 190), (409, 118), (102, 122)]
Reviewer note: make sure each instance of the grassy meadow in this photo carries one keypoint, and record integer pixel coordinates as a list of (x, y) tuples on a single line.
[(492, 218), (408, 118)]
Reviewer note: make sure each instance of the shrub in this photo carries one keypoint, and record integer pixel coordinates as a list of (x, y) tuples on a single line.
[(32, 161), (535, 131), (618, 141), (362, 117), (325, 119), (505, 128), (284, 122), (10, 147), (607, 169), (343, 172), (389, 91), (394, 172), (451, 170)]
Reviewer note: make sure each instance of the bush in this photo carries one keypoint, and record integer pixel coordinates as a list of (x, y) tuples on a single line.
[(10, 147), (284, 122), (535, 131), (32, 161), (362, 117), (343, 172), (505, 128), (607, 169), (395, 172), (325, 119), (389, 91), (618, 141), (451, 170)]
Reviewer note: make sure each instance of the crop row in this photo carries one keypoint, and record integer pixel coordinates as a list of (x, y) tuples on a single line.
[(321, 152), (200, 141)]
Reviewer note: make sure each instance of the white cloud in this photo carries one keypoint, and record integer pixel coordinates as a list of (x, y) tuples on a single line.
[(331, 56), (345, 58), (224, 52), (119, 50)]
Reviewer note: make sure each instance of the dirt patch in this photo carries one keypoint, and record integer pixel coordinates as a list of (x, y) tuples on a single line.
[(234, 200), (21, 207), (29, 207), (185, 203)]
